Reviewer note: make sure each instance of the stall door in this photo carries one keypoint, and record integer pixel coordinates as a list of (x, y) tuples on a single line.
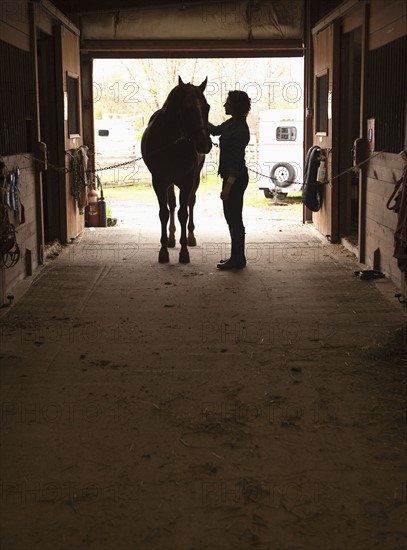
[(350, 130), (326, 119), (49, 134), (71, 114), (352, 184)]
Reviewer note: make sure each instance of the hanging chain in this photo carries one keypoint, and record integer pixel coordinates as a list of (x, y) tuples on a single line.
[(112, 166), (137, 159)]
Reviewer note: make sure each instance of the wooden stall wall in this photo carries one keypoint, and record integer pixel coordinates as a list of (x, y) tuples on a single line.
[(383, 171), (26, 231), (14, 24), (17, 131), (32, 35), (387, 29), (388, 21)]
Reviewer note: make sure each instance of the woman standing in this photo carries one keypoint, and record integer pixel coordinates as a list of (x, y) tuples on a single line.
[(234, 136)]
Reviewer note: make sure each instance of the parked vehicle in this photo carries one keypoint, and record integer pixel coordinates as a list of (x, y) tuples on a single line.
[(280, 149), (115, 138)]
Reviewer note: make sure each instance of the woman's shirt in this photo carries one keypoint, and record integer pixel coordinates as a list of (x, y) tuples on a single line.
[(234, 136)]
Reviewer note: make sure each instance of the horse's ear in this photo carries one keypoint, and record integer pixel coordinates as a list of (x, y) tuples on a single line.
[(180, 81), (203, 85)]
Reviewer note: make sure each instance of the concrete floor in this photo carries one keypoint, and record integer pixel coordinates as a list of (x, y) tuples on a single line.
[(149, 406)]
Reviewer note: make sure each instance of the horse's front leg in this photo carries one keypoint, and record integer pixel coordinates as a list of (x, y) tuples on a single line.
[(183, 218), (172, 204), (191, 226), (192, 200), (161, 192)]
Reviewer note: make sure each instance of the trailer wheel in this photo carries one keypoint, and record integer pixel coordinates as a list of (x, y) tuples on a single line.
[(267, 193), (283, 174)]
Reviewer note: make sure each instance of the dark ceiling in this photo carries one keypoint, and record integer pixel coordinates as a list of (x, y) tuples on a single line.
[(74, 8), (77, 7)]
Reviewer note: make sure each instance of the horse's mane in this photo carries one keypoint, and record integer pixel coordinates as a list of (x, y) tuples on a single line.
[(173, 98), (171, 103)]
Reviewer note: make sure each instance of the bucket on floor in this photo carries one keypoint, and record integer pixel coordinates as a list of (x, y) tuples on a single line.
[(92, 210)]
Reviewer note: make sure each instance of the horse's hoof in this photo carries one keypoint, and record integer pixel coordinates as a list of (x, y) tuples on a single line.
[(184, 257), (163, 256), (171, 243), (191, 240)]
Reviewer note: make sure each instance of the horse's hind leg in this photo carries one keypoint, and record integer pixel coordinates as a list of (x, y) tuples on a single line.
[(172, 204), (161, 192)]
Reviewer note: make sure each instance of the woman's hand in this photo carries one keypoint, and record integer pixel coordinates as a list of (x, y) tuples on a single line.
[(227, 187), (225, 192)]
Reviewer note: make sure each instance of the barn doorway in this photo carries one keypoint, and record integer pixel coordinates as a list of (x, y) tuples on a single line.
[(128, 91)]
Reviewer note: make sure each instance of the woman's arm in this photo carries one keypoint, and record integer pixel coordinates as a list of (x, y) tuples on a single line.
[(237, 145), (215, 130)]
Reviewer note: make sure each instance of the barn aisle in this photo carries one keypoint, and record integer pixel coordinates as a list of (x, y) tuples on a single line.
[(149, 406)]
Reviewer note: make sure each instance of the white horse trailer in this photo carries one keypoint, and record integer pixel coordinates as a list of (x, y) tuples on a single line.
[(281, 145), (115, 139)]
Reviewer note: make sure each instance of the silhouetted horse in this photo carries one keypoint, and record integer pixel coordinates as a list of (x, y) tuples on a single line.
[(173, 146)]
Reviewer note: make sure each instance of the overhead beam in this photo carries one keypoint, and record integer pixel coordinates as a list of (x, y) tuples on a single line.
[(79, 7), (192, 48), (55, 12), (338, 12)]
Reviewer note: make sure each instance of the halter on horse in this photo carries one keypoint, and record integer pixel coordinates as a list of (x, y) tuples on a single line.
[(173, 146)]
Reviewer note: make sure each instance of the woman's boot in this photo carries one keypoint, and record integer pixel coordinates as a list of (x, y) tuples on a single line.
[(224, 261), (237, 259)]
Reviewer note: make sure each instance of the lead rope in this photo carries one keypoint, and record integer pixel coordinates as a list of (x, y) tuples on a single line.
[(351, 169)]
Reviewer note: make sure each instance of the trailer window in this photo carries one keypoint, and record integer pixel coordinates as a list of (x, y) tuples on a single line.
[(286, 133)]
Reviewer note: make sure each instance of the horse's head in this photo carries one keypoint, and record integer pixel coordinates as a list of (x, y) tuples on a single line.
[(193, 114)]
